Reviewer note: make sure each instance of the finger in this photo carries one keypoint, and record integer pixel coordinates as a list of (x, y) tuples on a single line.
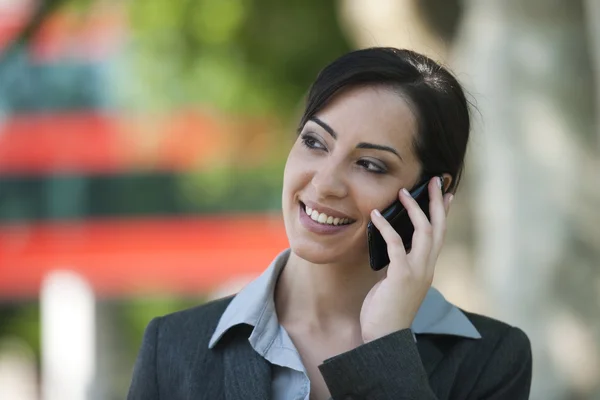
[(448, 197), (395, 246), (437, 212), (422, 236)]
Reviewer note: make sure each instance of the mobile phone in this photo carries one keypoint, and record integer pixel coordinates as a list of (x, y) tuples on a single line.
[(397, 216)]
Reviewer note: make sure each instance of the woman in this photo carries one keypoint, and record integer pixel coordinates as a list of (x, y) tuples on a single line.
[(319, 323)]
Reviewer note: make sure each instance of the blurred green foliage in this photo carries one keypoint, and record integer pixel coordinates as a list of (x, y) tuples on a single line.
[(231, 190), (22, 320), (240, 56)]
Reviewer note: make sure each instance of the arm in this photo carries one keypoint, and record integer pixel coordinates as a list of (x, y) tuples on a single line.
[(391, 368), (507, 372), (386, 368), (144, 384)]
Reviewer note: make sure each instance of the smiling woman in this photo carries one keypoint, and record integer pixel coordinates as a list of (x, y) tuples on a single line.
[(319, 323)]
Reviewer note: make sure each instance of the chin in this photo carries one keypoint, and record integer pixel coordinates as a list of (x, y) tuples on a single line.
[(319, 253), (314, 253)]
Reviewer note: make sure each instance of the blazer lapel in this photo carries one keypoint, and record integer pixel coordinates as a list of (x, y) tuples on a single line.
[(431, 355), (247, 375)]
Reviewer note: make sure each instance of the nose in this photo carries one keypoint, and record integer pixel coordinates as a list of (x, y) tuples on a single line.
[(330, 181)]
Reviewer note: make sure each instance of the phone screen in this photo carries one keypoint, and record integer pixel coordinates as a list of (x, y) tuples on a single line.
[(397, 216)]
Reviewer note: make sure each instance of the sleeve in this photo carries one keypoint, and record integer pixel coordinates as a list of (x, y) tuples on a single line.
[(144, 383), (507, 372), (387, 368)]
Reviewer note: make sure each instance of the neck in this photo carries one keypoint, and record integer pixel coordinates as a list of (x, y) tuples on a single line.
[(322, 296)]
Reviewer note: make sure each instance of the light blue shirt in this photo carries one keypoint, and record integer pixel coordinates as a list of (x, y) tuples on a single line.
[(255, 305)]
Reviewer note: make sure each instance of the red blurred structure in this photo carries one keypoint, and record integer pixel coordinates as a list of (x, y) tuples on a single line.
[(87, 142), (136, 256)]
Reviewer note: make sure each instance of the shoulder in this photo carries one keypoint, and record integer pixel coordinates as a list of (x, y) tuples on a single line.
[(172, 349), (196, 324), (499, 362), (502, 349), (494, 332)]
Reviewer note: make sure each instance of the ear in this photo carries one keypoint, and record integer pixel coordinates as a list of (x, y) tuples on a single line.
[(447, 178)]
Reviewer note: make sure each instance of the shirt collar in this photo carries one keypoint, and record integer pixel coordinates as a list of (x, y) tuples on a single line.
[(254, 305)]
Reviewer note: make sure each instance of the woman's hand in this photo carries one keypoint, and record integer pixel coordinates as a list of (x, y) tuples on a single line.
[(393, 302)]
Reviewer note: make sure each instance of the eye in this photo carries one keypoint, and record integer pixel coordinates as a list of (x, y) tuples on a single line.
[(372, 166), (311, 142)]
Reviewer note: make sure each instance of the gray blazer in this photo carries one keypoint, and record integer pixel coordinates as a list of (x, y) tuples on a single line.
[(175, 363)]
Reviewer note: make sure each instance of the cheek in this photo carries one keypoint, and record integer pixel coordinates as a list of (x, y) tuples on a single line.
[(369, 204), (370, 195), (295, 176)]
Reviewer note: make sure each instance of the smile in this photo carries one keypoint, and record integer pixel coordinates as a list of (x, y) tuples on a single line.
[(324, 219)]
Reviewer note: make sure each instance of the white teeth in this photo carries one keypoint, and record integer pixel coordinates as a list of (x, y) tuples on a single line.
[(323, 218), (315, 215)]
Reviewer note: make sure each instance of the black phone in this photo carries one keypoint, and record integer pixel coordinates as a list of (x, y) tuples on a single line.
[(397, 216)]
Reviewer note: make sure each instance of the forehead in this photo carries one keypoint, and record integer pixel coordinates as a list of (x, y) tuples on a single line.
[(371, 114)]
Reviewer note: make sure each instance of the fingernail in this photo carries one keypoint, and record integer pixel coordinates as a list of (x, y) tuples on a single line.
[(376, 212), (450, 199), (440, 182), (406, 192)]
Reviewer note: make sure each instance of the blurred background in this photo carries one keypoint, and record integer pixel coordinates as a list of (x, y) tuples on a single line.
[(142, 146)]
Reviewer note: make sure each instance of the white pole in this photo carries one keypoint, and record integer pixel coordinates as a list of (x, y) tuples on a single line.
[(68, 337)]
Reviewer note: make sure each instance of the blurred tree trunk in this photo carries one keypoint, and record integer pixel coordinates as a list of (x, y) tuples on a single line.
[(592, 13), (398, 23), (527, 66)]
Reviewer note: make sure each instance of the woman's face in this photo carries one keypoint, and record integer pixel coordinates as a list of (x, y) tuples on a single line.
[(354, 156)]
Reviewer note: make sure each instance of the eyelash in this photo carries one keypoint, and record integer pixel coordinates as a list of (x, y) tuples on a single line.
[(378, 170), (306, 139)]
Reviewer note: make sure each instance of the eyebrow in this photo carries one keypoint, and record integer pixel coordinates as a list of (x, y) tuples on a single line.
[(361, 145), (324, 126)]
